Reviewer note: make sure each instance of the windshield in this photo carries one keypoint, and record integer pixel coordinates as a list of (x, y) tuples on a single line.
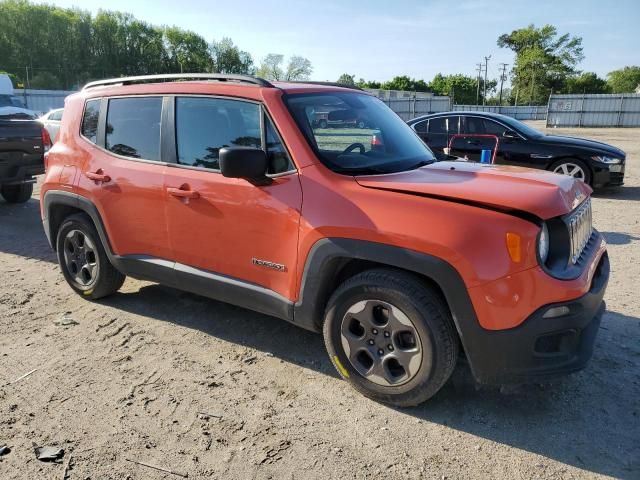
[(355, 133), (521, 127)]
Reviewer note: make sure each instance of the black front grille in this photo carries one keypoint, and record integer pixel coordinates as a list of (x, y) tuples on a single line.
[(580, 230)]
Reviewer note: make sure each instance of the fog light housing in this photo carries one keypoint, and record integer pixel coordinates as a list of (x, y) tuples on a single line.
[(555, 312)]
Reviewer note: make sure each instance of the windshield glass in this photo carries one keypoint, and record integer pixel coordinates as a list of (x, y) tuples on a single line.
[(521, 127), (355, 133)]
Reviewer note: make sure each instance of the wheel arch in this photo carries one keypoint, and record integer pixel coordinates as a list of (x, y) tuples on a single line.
[(58, 205), (333, 260)]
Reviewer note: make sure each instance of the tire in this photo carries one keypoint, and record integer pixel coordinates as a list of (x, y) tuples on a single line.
[(322, 124), (17, 193), (404, 297), (570, 166), (78, 244), (361, 124)]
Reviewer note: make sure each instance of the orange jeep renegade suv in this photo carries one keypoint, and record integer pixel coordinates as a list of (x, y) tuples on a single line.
[(227, 187)]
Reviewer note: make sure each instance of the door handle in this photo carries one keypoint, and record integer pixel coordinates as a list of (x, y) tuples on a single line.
[(183, 192), (98, 176)]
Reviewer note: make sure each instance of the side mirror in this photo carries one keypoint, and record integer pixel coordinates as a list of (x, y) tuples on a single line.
[(510, 134), (245, 162)]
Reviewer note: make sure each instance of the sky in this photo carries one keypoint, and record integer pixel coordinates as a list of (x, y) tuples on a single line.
[(378, 40)]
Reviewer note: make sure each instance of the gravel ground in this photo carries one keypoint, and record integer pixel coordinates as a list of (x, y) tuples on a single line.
[(209, 390)]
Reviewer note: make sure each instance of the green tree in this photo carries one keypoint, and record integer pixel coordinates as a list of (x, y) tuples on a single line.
[(406, 83), (228, 58), (362, 83), (348, 80), (587, 82), (298, 68), (271, 67), (625, 80), (544, 61), (462, 88), (188, 51)]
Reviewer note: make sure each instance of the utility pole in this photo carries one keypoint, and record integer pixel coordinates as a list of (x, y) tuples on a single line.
[(479, 69), (486, 67), (533, 83), (503, 77)]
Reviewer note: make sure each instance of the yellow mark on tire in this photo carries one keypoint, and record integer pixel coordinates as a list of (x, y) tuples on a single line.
[(86, 293), (340, 367)]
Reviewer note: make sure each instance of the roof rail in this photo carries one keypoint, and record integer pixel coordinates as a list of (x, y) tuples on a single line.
[(328, 84), (176, 77)]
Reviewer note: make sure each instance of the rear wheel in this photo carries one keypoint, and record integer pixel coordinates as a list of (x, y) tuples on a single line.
[(17, 193), (391, 337), (83, 260), (573, 168)]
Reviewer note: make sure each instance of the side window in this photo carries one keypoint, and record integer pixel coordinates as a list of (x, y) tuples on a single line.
[(89, 127), (421, 127), (437, 125), (493, 128), (444, 125), (453, 125), (474, 125), (56, 116), (279, 161), (205, 125), (133, 127)]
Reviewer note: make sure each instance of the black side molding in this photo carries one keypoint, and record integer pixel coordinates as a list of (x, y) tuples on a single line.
[(183, 277)]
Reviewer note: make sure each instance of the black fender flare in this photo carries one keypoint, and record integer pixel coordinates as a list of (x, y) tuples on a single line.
[(328, 255), (53, 198)]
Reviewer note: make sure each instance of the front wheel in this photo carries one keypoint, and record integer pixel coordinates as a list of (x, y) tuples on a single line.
[(17, 193), (83, 260), (573, 168), (391, 337)]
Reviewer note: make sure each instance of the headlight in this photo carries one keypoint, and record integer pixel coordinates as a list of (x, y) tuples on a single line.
[(605, 159), (543, 244)]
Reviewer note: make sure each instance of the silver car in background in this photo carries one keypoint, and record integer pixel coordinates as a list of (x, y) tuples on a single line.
[(51, 122)]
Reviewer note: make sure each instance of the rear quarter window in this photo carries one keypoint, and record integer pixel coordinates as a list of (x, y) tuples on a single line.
[(89, 127)]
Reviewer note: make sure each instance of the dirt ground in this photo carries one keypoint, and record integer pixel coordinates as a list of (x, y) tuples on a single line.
[(209, 390)]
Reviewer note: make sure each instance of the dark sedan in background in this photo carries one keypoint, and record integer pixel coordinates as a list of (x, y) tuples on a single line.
[(596, 163)]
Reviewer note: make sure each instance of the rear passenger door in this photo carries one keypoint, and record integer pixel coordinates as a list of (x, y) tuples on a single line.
[(230, 227), (123, 173)]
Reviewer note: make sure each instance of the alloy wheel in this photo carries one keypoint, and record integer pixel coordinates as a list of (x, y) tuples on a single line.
[(381, 342), (571, 169), (80, 257)]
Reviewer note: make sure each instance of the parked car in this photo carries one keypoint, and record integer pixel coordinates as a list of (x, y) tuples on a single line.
[(51, 122), (596, 163), (23, 144), (339, 117), (402, 262)]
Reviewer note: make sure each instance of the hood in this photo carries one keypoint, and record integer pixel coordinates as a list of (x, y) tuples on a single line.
[(510, 189), (592, 145)]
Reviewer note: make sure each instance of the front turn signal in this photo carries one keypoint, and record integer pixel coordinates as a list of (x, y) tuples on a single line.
[(514, 245)]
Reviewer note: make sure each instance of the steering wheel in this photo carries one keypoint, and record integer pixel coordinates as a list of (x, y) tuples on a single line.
[(353, 146)]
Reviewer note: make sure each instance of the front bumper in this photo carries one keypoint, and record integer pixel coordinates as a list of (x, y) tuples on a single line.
[(604, 174), (541, 347)]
